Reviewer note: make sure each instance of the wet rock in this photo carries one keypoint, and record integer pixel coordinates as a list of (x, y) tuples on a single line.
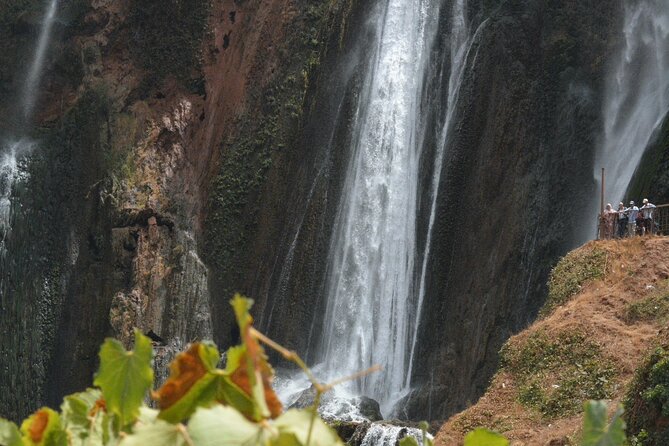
[(305, 399)]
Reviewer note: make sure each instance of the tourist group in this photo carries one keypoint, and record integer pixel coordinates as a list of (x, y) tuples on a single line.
[(627, 221)]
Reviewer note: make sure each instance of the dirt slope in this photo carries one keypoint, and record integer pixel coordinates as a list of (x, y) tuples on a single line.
[(615, 319)]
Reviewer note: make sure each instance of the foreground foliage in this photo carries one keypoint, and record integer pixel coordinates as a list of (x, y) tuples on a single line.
[(199, 404)]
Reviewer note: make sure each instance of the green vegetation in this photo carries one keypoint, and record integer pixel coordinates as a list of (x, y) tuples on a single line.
[(571, 273), (557, 373), (652, 308), (647, 400), (167, 39), (199, 404)]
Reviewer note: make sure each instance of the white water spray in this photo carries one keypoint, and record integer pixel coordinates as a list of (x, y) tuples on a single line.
[(31, 87), (637, 95)]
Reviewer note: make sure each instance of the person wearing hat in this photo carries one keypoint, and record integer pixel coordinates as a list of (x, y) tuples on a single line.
[(622, 220), (647, 210), (632, 213)]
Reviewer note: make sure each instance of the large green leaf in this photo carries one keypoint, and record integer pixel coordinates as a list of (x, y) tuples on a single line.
[(596, 429), (409, 441), (9, 434), (159, 433), (484, 437), (224, 426), (125, 377), (298, 424), (43, 428)]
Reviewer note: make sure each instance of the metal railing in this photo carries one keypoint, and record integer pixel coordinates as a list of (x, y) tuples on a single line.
[(661, 219)]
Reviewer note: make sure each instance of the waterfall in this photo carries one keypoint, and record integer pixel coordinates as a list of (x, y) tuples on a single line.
[(376, 279), (12, 151), (370, 311), (31, 86), (637, 95)]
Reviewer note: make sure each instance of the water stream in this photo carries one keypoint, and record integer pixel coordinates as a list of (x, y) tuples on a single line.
[(637, 95)]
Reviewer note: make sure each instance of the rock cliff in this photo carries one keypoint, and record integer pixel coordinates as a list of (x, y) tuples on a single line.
[(188, 150)]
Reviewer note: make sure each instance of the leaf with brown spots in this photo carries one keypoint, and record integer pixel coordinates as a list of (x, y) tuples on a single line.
[(43, 428), (193, 382)]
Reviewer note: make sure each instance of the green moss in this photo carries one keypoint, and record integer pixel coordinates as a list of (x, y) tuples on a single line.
[(571, 273), (167, 38), (557, 373), (647, 401)]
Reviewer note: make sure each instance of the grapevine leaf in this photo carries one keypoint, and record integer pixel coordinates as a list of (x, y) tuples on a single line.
[(484, 437), (596, 429), (125, 377), (229, 393), (9, 433), (158, 433), (193, 382), (224, 426), (299, 423), (75, 412), (253, 373), (43, 428)]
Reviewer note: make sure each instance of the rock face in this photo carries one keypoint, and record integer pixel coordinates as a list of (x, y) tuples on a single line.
[(208, 158)]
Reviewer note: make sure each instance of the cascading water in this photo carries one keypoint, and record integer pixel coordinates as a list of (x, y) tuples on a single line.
[(637, 95), (370, 310), (375, 286), (12, 151)]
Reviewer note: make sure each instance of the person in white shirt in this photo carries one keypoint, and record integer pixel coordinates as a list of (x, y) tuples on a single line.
[(647, 210), (632, 213)]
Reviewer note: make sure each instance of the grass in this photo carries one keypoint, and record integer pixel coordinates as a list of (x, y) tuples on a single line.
[(571, 273), (654, 308), (557, 373)]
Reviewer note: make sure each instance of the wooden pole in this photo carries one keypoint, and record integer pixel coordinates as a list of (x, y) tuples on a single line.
[(600, 220), (601, 212)]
